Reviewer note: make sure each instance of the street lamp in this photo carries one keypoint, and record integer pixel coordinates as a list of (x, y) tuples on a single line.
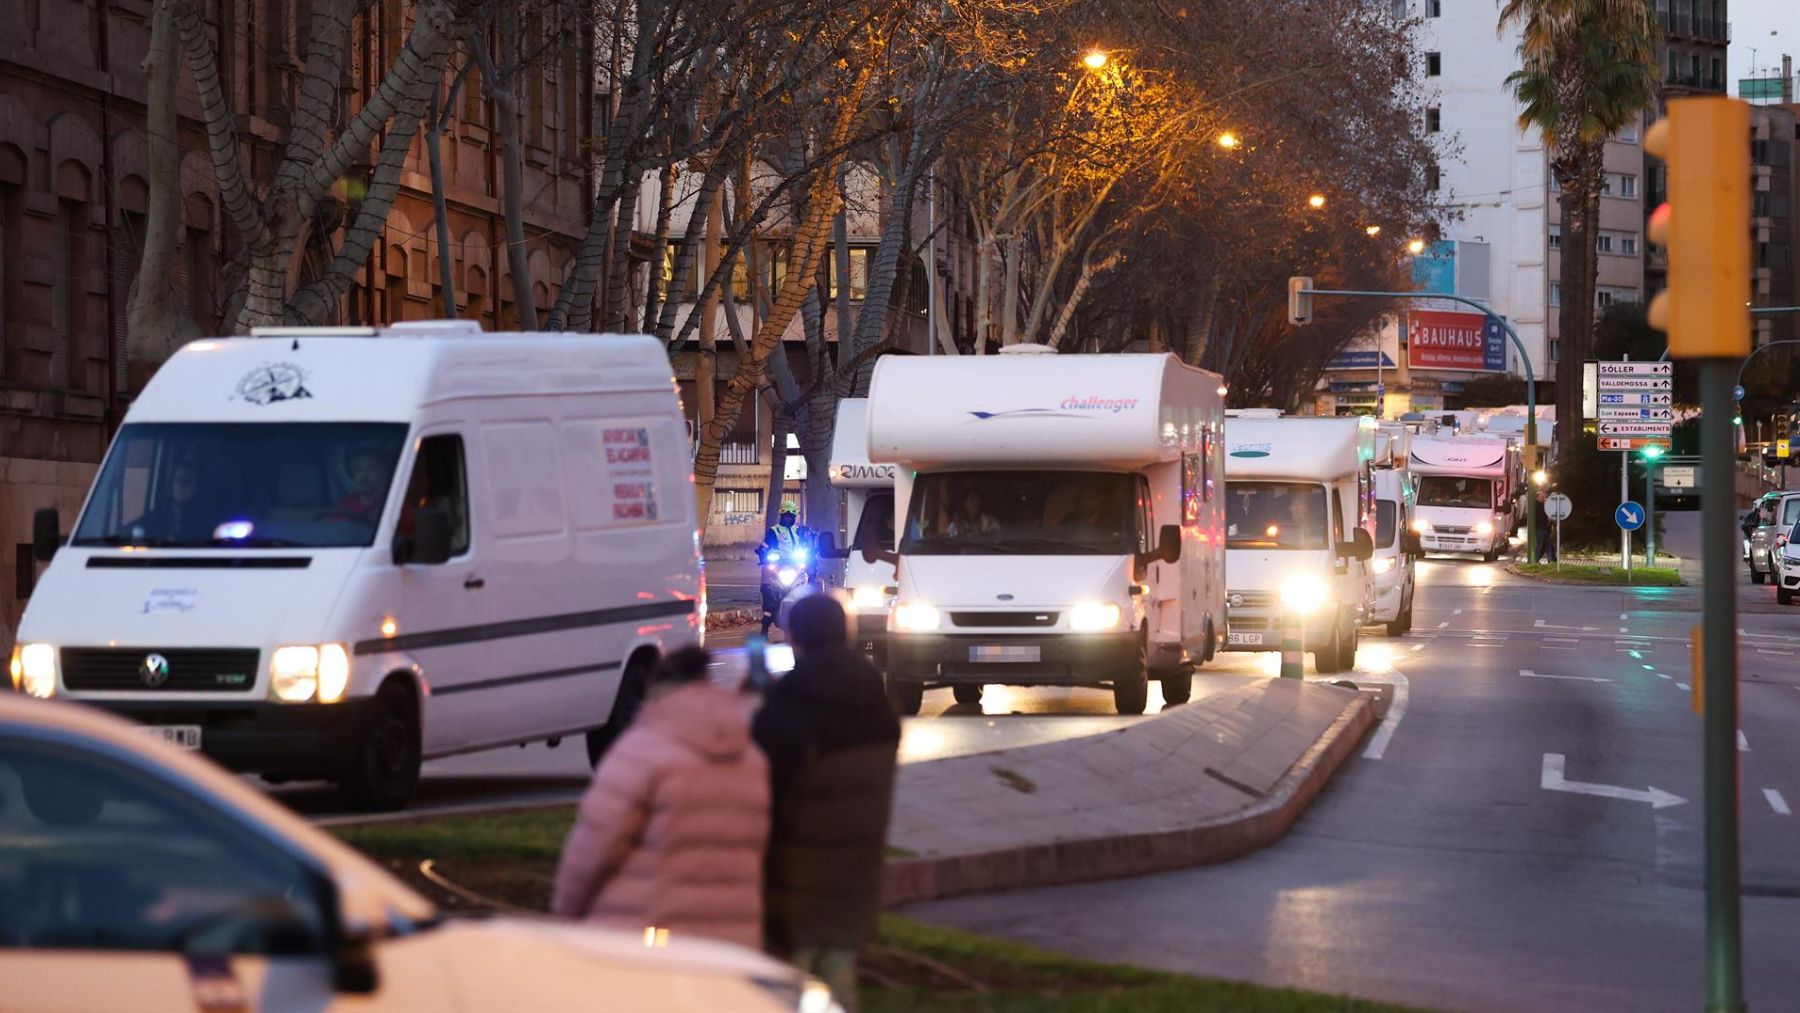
[(1373, 230), (1416, 247), (1228, 140), (1540, 477), (1316, 201), (1094, 59)]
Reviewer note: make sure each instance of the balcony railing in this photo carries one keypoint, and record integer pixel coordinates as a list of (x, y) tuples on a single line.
[(738, 453), (1686, 24)]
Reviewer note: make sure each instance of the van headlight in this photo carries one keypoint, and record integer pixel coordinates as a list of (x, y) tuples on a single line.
[(1422, 526), (869, 598), (300, 672), (33, 669), (1094, 616), (1484, 528), (916, 617), (1383, 565), (1304, 595)]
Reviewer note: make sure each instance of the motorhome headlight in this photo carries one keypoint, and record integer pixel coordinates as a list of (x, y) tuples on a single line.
[(1422, 526), (294, 673), (787, 576), (1484, 528), (916, 617), (1305, 594), (1094, 616), (1385, 564), (334, 672), (33, 669), (869, 598)]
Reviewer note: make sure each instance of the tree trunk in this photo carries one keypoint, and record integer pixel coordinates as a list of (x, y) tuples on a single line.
[(1569, 315), (440, 209), (153, 319), (502, 87), (781, 423), (665, 211), (1088, 270), (1009, 292)]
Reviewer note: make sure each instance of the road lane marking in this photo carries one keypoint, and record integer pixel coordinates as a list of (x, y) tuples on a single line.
[(1421, 647), (1779, 654), (1384, 734), (1529, 674), (1624, 616), (1683, 685), (1553, 780), (1776, 802), (1743, 743), (1542, 625), (1561, 640), (1456, 612), (1624, 630), (1662, 675), (1443, 626)]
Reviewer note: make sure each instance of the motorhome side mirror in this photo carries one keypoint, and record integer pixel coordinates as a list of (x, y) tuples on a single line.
[(46, 534), (1168, 545), (429, 544), (1415, 543), (872, 554), (1361, 547)]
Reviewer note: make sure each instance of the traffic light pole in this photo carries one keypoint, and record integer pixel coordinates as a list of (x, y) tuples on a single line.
[(1531, 531), (1718, 561), (1649, 513)]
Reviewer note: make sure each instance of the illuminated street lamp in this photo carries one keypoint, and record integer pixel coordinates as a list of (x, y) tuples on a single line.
[(1373, 230), (1316, 201), (1540, 477), (1416, 247), (1094, 59), (1228, 140)]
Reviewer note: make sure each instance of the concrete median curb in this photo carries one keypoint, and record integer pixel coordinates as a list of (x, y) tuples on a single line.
[(1131, 853)]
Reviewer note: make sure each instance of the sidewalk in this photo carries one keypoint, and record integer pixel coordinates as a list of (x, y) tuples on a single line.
[(1201, 783)]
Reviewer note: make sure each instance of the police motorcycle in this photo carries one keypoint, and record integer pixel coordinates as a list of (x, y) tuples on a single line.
[(788, 574)]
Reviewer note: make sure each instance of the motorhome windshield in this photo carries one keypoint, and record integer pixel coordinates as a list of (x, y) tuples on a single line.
[(243, 485), (1048, 513), (1456, 491), (1275, 515)]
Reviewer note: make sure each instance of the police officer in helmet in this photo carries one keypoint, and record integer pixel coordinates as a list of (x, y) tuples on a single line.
[(786, 536)]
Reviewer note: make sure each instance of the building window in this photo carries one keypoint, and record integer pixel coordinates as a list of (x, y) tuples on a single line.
[(1606, 185), (1434, 8), (1628, 186), (1629, 135), (1433, 120), (1555, 184), (740, 501), (859, 273), (1432, 178), (65, 304), (1556, 293), (1628, 244), (1603, 243), (1602, 297), (1553, 344), (1434, 64), (1556, 237)]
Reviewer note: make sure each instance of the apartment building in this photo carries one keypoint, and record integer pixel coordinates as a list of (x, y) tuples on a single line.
[(1774, 197), (1618, 243)]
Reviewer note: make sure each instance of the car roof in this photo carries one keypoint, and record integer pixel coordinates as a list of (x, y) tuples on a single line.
[(368, 895)]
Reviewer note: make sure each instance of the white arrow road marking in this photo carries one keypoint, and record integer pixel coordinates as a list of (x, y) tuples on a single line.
[(1553, 781), (1776, 802), (1529, 674), (1378, 742), (1743, 743), (1542, 625)]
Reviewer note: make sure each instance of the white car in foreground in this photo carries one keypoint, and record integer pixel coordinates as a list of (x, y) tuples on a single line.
[(136, 876)]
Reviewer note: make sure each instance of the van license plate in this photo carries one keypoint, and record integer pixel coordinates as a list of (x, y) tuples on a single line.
[(1005, 653), (180, 736), (1245, 639)]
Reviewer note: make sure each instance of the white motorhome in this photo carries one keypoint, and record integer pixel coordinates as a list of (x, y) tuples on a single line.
[(1392, 569), (1466, 493), (868, 490), (1299, 496), (334, 552), (1060, 521)]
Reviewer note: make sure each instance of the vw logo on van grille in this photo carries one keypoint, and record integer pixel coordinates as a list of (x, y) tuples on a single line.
[(1236, 601), (154, 670)]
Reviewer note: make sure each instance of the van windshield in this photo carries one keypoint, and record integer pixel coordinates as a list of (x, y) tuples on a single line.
[(1275, 515), (1046, 513), (243, 485), (1456, 491), (876, 526)]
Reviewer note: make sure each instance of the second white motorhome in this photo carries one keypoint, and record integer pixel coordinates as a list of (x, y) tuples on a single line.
[(1299, 493), (1061, 521), (1466, 494), (868, 490)]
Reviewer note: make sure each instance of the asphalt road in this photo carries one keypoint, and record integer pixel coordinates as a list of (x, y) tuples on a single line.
[(1499, 845)]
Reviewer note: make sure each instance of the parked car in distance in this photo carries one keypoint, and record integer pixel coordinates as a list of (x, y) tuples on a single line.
[(140, 876), (1777, 513), (1787, 565)]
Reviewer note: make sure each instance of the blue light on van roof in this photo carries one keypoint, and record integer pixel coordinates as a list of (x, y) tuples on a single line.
[(233, 531)]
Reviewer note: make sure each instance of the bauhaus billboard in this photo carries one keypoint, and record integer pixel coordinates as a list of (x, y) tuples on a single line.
[(1446, 339)]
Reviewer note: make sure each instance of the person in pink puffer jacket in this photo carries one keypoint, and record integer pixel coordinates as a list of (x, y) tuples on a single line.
[(671, 832)]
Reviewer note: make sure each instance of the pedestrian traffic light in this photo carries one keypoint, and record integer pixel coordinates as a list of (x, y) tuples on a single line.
[(1705, 226), (1652, 451), (1299, 303)]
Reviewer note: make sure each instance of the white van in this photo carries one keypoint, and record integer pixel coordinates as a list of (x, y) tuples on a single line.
[(868, 491), (1299, 494), (334, 552), (1466, 494), (1391, 569), (1060, 521)]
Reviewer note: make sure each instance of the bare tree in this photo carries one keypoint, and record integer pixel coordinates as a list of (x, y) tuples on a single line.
[(156, 319)]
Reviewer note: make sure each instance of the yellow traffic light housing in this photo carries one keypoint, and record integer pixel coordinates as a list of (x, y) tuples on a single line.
[(1299, 303), (1705, 226)]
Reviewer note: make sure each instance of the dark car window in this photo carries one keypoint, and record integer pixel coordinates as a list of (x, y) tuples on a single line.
[(1387, 516), (101, 856)]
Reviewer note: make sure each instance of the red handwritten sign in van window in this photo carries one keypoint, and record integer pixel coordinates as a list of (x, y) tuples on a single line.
[(632, 471)]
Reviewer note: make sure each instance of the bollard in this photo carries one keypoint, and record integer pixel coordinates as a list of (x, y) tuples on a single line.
[(1293, 651)]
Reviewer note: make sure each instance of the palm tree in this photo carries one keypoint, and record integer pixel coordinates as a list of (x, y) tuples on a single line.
[(1588, 70)]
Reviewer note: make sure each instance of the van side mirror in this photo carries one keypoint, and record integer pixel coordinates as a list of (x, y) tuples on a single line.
[(46, 534), (1361, 546), (1168, 546), (872, 554), (1415, 543), (429, 544)]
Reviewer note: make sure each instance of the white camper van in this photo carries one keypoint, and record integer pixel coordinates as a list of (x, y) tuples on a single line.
[(1466, 494), (868, 490), (333, 552), (1060, 521), (1299, 494), (1392, 571)]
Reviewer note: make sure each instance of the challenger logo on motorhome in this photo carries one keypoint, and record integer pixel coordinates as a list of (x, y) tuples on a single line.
[(1252, 449), (273, 382), (1075, 406)]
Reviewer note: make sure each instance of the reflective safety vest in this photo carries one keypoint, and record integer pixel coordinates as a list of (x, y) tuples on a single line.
[(786, 538)]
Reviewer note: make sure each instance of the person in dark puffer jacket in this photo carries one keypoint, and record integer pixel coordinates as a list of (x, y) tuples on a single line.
[(832, 741)]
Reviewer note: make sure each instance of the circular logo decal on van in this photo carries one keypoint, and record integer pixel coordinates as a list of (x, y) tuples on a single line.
[(272, 382), (154, 670)]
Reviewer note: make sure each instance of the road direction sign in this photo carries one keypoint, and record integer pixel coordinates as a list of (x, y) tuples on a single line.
[(1635, 369), (1635, 413), (1634, 428), (1680, 476), (1558, 506), (1637, 397), (1634, 442), (1650, 383), (1629, 516), (1737, 393)]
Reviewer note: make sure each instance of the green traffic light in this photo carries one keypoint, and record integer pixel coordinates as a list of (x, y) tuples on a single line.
[(1737, 420), (1652, 452)]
